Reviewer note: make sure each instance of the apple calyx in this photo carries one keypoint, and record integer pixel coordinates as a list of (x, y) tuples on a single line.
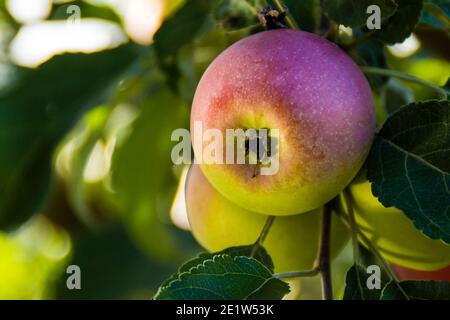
[(258, 148)]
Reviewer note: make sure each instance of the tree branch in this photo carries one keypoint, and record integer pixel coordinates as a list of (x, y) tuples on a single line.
[(403, 76), (324, 252)]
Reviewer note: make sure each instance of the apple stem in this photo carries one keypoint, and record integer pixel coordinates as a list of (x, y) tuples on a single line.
[(289, 18), (324, 252), (262, 236), (333, 33), (403, 76)]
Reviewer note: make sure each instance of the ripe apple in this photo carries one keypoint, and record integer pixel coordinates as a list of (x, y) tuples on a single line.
[(399, 241), (411, 274), (217, 223), (308, 89)]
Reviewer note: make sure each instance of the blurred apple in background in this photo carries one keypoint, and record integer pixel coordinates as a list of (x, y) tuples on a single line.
[(395, 235), (32, 259), (411, 274), (218, 223)]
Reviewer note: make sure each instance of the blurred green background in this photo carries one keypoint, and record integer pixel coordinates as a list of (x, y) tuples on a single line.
[(95, 89)]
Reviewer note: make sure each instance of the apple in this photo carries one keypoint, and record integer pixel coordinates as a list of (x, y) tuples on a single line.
[(398, 240), (411, 274), (308, 90), (217, 223)]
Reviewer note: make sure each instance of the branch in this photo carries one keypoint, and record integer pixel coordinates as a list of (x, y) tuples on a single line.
[(403, 76)]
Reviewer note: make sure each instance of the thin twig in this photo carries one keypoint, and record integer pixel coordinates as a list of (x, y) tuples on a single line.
[(403, 76), (333, 32), (262, 236)]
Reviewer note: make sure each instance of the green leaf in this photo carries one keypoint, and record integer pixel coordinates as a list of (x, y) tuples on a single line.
[(37, 109), (409, 168), (395, 95), (399, 27), (371, 53), (417, 290), (353, 13), (238, 14), (307, 13), (225, 278), (187, 25), (113, 267), (142, 173), (356, 285), (447, 88), (246, 251)]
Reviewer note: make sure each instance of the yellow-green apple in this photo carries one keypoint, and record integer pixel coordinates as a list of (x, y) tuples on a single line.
[(411, 274), (304, 88), (398, 240), (217, 223)]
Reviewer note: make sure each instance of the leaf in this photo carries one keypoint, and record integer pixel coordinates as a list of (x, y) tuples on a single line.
[(188, 24), (261, 255), (113, 267), (371, 53), (37, 109), (409, 168), (225, 278), (183, 28), (307, 13), (417, 290), (356, 285), (142, 174), (395, 95), (399, 27), (238, 14), (447, 88), (353, 13)]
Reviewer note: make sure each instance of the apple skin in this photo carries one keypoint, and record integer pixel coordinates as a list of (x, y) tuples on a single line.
[(217, 223), (311, 91), (394, 233), (411, 274)]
